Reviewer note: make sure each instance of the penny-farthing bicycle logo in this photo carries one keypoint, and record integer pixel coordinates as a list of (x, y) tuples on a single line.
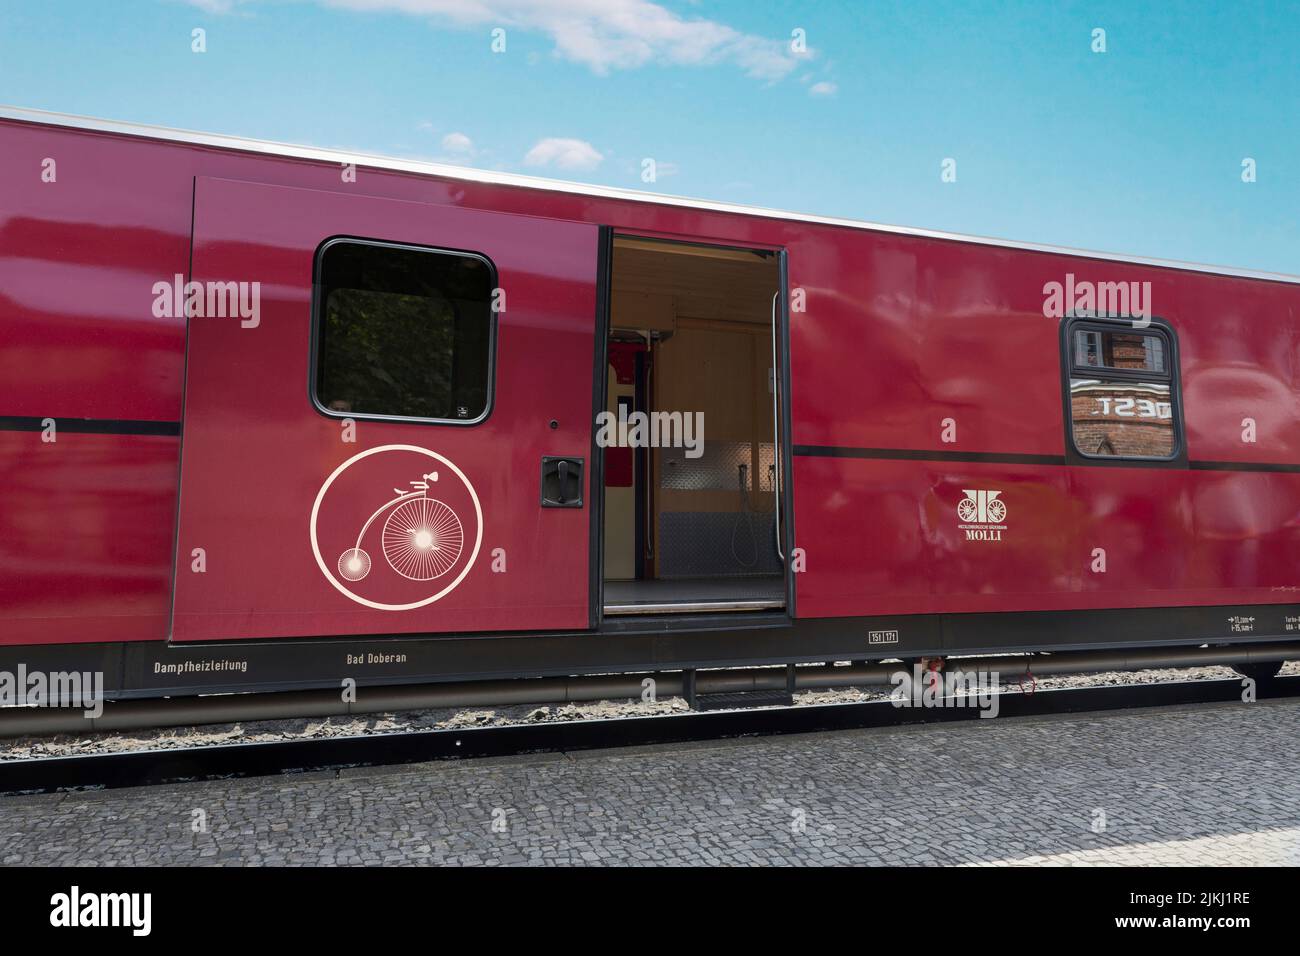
[(394, 544), (422, 537)]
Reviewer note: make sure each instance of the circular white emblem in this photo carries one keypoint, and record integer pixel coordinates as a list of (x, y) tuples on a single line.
[(421, 537)]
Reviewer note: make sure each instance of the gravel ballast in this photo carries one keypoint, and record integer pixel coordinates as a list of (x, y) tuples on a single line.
[(172, 738)]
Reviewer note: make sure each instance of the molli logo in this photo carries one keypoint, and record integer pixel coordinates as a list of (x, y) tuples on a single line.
[(411, 508), (982, 514)]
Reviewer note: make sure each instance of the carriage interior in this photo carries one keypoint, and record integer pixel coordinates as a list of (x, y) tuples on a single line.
[(691, 458)]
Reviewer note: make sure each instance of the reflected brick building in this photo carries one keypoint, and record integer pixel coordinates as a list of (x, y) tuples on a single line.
[(1122, 419)]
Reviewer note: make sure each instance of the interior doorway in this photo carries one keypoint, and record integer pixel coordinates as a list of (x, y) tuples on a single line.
[(692, 443)]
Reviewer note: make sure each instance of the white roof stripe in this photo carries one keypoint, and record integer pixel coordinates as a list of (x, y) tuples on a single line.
[(611, 192)]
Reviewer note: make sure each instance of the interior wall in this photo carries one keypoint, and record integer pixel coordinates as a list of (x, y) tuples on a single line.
[(620, 494), (711, 309)]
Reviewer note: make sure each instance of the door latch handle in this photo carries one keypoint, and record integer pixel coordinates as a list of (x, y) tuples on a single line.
[(561, 482)]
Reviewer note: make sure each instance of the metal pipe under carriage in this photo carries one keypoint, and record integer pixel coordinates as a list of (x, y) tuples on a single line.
[(228, 708)]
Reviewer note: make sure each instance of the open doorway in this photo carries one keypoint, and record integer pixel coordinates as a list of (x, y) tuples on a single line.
[(692, 446)]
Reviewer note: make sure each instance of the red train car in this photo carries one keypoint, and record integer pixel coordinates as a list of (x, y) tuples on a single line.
[(273, 416)]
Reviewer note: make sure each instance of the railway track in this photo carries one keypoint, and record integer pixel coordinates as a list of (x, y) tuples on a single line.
[(233, 761)]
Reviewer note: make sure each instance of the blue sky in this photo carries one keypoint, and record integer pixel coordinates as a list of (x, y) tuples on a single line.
[(1137, 150)]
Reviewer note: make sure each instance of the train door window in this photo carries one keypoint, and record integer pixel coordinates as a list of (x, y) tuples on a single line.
[(1123, 391), (402, 332)]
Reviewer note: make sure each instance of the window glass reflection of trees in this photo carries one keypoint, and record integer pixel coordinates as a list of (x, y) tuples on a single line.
[(404, 332)]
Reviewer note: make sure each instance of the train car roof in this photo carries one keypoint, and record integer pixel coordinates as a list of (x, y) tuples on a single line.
[(323, 154)]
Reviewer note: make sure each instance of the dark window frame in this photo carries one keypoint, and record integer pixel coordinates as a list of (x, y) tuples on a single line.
[(1070, 369), (318, 316)]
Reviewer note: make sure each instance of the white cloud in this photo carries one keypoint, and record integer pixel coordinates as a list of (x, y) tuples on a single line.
[(823, 88), (217, 6), (605, 35), (458, 143), (564, 154)]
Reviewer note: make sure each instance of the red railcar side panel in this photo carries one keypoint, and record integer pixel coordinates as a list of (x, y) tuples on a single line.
[(904, 335), (260, 495), (83, 521), (87, 520), (78, 257)]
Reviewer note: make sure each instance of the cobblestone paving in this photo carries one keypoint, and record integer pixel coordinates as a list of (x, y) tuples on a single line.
[(1199, 785)]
